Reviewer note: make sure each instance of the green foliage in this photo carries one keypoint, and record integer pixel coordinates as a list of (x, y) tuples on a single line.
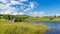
[(19, 18), (24, 18), (50, 18), (6, 17), (21, 28)]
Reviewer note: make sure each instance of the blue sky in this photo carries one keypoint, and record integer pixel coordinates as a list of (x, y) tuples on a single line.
[(30, 7)]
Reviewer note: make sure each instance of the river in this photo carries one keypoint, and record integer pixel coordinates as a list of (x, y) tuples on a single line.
[(55, 26)]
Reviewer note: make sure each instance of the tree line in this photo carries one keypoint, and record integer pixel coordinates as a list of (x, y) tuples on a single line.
[(18, 18), (21, 18)]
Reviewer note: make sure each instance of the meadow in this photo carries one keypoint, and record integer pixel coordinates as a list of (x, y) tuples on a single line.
[(7, 27)]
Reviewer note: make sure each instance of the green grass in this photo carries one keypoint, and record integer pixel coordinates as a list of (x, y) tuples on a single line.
[(43, 19), (37, 19), (7, 27)]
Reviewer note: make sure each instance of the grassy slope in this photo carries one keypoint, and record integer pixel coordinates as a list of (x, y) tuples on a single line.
[(21, 28), (37, 19), (42, 19)]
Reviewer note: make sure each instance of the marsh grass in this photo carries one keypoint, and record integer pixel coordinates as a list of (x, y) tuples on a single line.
[(7, 27)]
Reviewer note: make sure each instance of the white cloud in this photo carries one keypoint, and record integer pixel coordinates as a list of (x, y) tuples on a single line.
[(18, 13), (21, 13), (14, 13), (25, 10), (22, 0), (35, 13), (6, 9), (57, 14), (40, 14), (32, 5), (14, 2), (3, 0)]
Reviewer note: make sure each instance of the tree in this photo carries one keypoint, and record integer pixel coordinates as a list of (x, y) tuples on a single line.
[(50, 18), (6, 16)]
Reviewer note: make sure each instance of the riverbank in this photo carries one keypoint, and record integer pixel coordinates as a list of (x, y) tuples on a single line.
[(7, 27)]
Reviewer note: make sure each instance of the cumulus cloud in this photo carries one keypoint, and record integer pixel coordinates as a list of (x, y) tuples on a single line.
[(25, 10), (18, 13), (40, 14), (14, 2), (57, 14), (3, 1), (5, 7), (31, 6), (22, 0)]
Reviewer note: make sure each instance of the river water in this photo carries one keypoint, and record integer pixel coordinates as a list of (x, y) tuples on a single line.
[(55, 26), (52, 24)]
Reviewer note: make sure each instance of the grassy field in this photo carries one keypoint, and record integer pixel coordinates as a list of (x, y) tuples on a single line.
[(43, 19), (7, 27)]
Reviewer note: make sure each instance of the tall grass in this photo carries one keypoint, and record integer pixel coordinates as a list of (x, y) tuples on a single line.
[(21, 28)]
